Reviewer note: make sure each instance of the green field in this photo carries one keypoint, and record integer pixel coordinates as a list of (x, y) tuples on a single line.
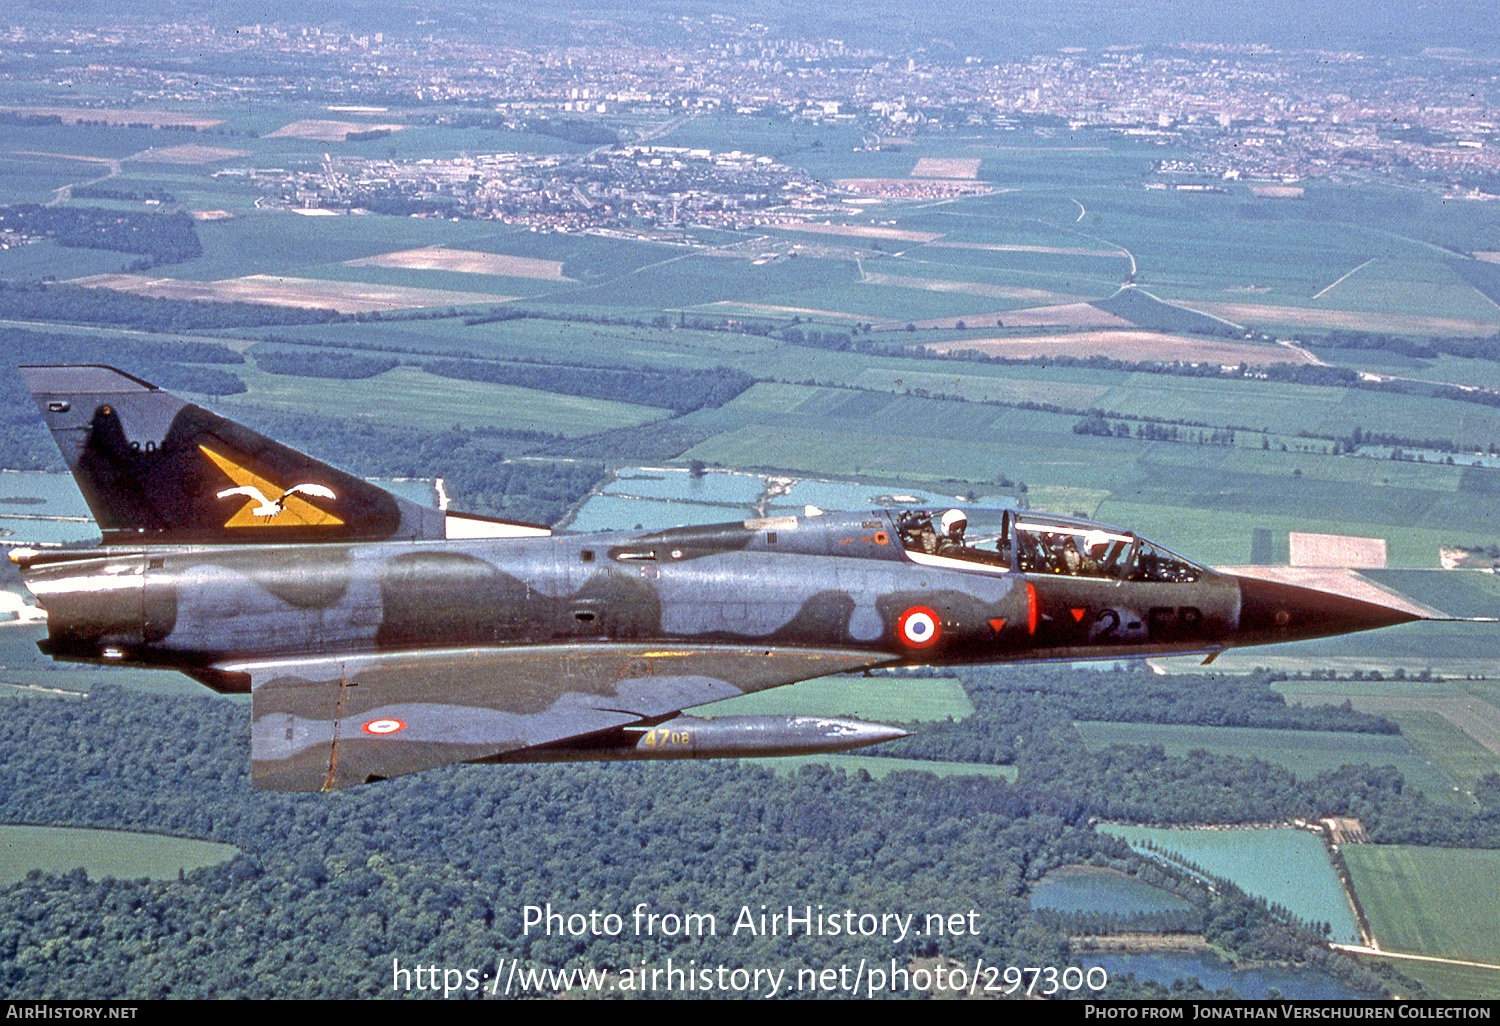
[(1441, 902), (103, 853), (283, 243), (406, 395), (687, 280), (451, 281), (1204, 500), (883, 699), (1457, 754), (49, 260), (1451, 982)]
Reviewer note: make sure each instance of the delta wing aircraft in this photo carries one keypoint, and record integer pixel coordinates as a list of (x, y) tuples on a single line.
[(378, 637)]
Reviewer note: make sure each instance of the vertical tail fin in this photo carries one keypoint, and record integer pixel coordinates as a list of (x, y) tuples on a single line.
[(156, 469)]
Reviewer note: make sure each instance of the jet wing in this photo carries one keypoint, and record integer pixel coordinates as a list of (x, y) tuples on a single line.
[(326, 722)]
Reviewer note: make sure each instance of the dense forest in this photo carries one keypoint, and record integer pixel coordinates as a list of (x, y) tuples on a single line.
[(436, 868), (161, 238), (340, 364)]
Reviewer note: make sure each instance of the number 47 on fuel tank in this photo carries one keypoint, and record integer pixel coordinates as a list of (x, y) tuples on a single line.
[(379, 637)]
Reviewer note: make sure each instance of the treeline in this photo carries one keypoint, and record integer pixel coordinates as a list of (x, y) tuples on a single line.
[(1024, 717), (680, 391), (1174, 920), (1296, 373), (653, 440), (134, 195), (320, 363), (74, 304), (1201, 699), (26, 346), (1095, 423), (179, 377), (161, 238), (1359, 437), (838, 340), (393, 202), (17, 118)]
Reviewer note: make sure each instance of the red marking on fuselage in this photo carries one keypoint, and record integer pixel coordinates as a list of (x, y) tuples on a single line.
[(1078, 614), (997, 625), (1031, 608)]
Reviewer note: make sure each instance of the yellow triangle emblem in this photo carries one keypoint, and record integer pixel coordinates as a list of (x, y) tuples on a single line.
[(263, 504)]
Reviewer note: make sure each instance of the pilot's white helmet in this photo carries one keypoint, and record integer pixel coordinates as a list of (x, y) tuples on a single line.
[(954, 518)]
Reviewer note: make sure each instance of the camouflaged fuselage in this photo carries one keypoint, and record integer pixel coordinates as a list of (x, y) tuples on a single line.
[(831, 581)]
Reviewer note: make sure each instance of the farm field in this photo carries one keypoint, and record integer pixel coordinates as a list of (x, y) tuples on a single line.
[(885, 699), (1452, 982), (102, 853), (1455, 720), (1124, 345), (1429, 901), (441, 258), (1444, 736), (407, 395), (549, 340), (312, 293)]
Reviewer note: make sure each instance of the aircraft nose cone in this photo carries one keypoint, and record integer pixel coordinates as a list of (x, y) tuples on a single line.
[(845, 733), (1272, 611)]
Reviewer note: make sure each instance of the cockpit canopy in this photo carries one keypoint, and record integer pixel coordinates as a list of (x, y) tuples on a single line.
[(1038, 543)]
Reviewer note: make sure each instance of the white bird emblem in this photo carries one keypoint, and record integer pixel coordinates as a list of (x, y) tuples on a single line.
[(269, 507)]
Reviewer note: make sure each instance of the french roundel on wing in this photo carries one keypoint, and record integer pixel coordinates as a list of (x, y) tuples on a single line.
[(918, 627), (382, 727)]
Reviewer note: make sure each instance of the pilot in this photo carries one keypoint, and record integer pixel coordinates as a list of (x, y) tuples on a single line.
[(1095, 548), (918, 534), (951, 539)]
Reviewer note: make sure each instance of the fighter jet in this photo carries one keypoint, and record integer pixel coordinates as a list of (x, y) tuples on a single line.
[(379, 637)]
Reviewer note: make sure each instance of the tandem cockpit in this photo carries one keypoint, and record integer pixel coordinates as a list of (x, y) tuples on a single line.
[(1037, 543)]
